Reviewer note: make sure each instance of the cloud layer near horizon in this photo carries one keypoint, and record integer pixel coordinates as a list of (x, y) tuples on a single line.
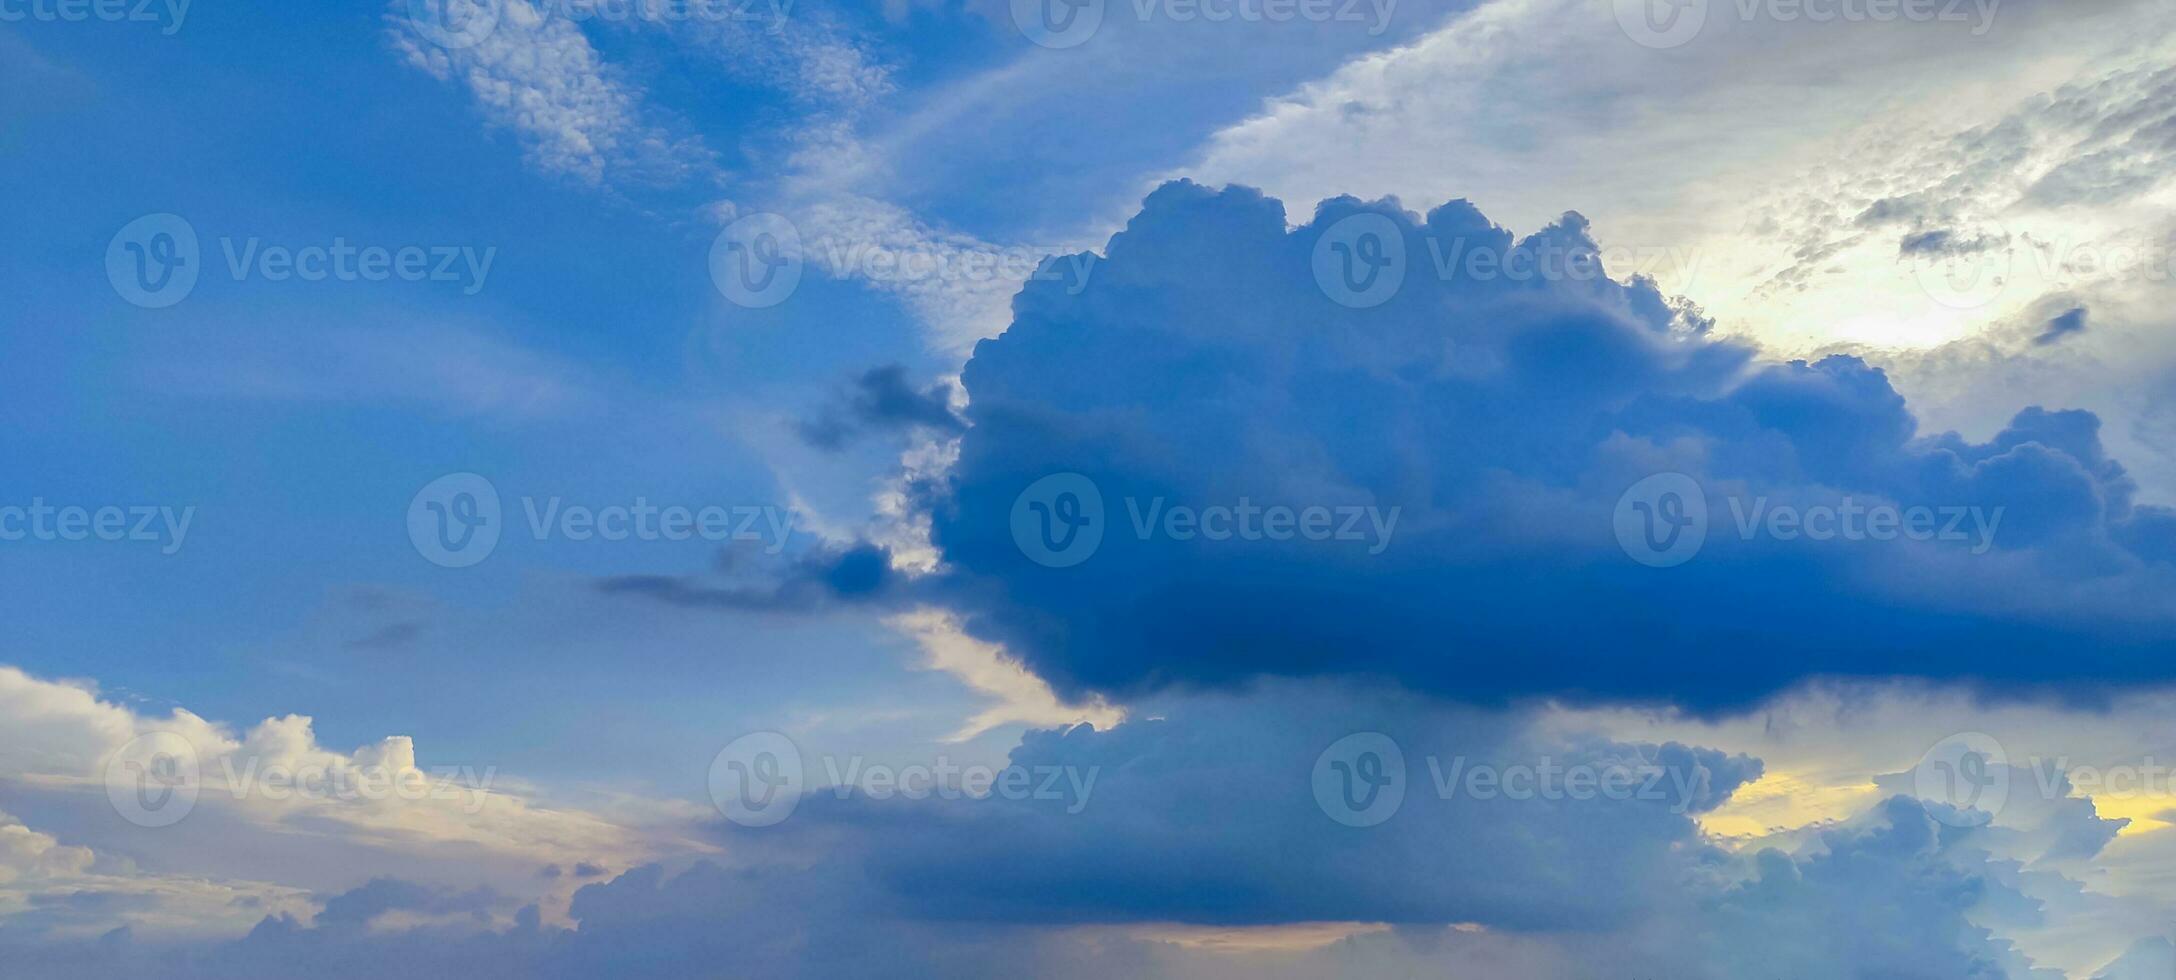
[(1209, 816)]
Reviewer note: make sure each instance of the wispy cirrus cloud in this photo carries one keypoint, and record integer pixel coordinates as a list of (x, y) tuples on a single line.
[(536, 73)]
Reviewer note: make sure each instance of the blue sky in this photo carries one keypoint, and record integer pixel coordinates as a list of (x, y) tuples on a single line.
[(1796, 273)]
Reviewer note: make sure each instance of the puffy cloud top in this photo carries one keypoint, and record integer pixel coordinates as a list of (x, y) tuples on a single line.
[(1486, 422)]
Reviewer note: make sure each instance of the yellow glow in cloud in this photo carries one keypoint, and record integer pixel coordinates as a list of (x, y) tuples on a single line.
[(1781, 800), (2143, 809)]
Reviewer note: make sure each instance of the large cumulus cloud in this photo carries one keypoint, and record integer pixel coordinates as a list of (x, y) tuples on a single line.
[(1504, 416)]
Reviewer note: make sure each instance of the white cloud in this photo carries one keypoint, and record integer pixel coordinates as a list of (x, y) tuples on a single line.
[(537, 74), (1826, 746), (60, 891), (1741, 162), (268, 814), (1022, 698)]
